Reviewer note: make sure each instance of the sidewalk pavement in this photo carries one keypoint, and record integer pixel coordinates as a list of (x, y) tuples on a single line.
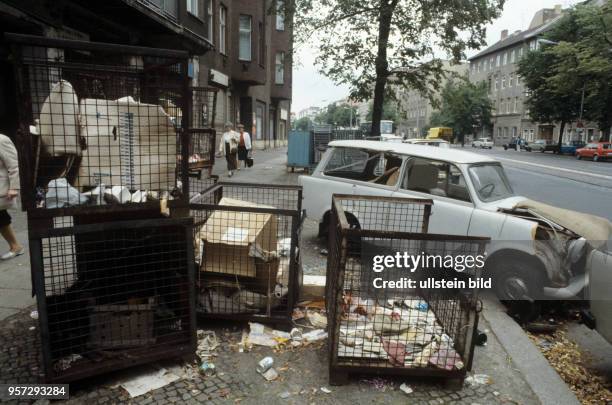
[(506, 359)]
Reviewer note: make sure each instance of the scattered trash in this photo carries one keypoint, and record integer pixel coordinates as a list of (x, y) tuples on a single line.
[(314, 336), (263, 336), (297, 314), (478, 379), (284, 395), (32, 327), (270, 375), (538, 327), (61, 194), (481, 338), (208, 369), (326, 390), (324, 252), (66, 362), (207, 343), (296, 335), (406, 389), (379, 384), (34, 314), (496, 393), (151, 379), (265, 364), (316, 319)]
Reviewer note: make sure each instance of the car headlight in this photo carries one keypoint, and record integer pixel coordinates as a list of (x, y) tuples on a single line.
[(576, 249)]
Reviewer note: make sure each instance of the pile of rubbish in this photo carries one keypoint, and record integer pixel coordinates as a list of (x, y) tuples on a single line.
[(403, 332)]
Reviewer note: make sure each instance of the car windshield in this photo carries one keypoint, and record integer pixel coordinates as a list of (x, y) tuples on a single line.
[(490, 182)]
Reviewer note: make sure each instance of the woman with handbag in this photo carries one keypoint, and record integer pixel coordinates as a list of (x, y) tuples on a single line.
[(229, 147), (244, 146), (9, 190)]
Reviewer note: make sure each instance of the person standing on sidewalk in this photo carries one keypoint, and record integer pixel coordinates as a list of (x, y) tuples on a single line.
[(228, 147), (244, 145), (9, 190)]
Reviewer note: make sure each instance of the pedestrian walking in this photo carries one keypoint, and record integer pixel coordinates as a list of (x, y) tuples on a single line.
[(244, 145), (9, 190), (229, 147)]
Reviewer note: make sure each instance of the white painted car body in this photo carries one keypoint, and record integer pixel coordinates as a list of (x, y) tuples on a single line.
[(448, 216), (484, 143), (440, 143)]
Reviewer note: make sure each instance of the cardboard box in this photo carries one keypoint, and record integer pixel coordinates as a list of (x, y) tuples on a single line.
[(232, 238), (129, 144)]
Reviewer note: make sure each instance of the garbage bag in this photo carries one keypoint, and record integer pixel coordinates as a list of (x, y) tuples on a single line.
[(61, 194)]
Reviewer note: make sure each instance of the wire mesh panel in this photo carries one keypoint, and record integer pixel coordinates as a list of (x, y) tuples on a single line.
[(387, 309), (202, 133), (112, 295), (246, 246), (100, 124)]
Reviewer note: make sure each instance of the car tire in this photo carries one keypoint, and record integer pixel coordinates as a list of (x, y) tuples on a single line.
[(516, 280), (595, 158)]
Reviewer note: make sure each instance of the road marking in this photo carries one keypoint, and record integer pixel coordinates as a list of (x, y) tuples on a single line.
[(601, 176)]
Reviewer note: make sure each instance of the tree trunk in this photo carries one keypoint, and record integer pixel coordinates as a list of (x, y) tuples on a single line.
[(561, 130), (382, 68)]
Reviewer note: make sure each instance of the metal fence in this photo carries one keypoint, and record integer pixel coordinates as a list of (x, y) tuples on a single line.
[(321, 138), (246, 247), (398, 329), (112, 295), (101, 126), (202, 142)]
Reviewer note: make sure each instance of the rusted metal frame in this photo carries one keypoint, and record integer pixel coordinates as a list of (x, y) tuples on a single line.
[(191, 280), (259, 185), (184, 134), (338, 288), (35, 40), (256, 210)]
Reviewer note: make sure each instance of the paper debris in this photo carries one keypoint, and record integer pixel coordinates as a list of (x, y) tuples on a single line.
[(316, 319), (270, 374), (478, 379), (406, 389), (149, 381), (34, 314), (326, 390), (314, 336)]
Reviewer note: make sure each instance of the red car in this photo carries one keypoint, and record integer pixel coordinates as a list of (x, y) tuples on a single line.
[(595, 151)]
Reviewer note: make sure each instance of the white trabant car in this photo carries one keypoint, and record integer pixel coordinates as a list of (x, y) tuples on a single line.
[(441, 143), (537, 250), (483, 143)]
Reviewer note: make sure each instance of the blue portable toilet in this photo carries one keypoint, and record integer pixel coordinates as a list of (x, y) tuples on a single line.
[(299, 151)]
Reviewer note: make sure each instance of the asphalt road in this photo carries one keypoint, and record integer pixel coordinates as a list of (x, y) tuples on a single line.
[(559, 180)]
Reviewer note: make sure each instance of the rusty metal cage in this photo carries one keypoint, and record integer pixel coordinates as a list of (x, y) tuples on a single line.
[(247, 251), (404, 328), (101, 126), (112, 295)]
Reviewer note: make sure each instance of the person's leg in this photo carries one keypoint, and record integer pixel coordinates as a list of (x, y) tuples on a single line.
[(9, 235)]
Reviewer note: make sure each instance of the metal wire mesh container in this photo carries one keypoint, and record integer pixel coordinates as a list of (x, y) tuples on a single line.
[(112, 295), (385, 312), (100, 125), (202, 142), (246, 245)]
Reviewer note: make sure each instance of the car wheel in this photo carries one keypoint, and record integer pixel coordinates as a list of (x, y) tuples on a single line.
[(595, 158), (517, 280), (541, 150), (505, 147)]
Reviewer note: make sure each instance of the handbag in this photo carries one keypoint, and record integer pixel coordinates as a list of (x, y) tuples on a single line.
[(249, 162)]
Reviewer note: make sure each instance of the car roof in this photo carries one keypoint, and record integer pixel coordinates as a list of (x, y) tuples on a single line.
[(425, 151)]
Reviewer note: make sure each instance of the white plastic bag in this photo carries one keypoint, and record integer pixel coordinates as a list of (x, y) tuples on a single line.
[(61, 194)]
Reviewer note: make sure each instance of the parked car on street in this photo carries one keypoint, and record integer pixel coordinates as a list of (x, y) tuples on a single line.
[(472, 196), (540, 145), (569, 148), (441, 143), (515, 143), (484, 143), (595, 151)]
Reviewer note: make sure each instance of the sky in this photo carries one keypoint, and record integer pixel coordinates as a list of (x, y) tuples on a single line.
[(313, 89)]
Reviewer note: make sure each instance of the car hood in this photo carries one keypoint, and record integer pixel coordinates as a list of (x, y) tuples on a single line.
[(593, 228)]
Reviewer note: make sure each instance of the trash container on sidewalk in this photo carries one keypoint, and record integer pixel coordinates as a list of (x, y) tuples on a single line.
[(113, 295), (397, 329), (247, 251)]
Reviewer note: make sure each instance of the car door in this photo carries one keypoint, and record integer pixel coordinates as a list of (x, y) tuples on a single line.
[(444, 183)]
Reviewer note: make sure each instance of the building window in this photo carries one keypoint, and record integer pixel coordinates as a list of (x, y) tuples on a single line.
[(192, 7), (209, 20), (245, 38), (514, 132), (280, 68), (510, 79), (499, 132), (515, 104), (280, 15), (503, 82), (222, 29), (491, 63), (498, 60), (512, 56), (262, 44), (505, 58)]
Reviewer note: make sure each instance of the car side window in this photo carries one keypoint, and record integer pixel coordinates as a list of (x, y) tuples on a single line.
[(387, 170), (436, 178), (347, 161)]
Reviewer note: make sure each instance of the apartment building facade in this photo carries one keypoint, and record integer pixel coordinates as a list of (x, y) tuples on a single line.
[(415, 109), (497, 66), (250, 65)]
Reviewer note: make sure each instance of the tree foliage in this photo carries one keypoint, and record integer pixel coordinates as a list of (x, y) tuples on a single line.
[(340, 115), (302, 124), (464, 106), (557, 74), (390, 111), (368, 44)]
